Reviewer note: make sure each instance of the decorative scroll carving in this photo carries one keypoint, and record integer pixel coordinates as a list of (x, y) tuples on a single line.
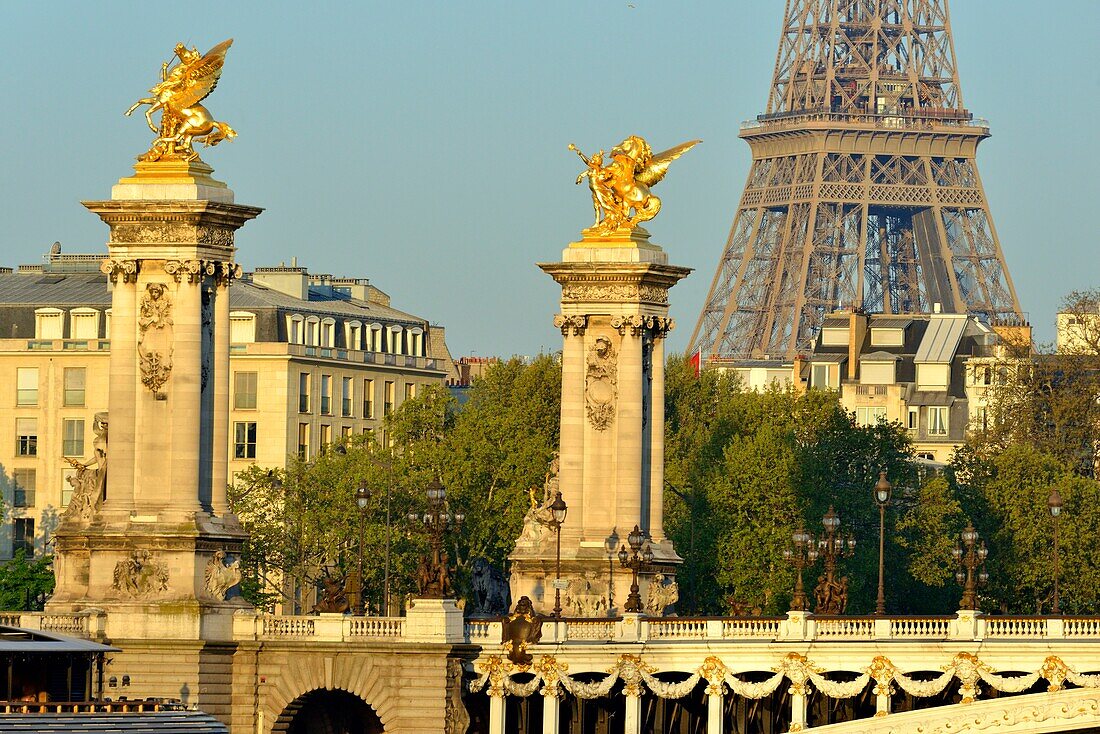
[(227, 272), (115, 269), (577, 324), (600, 383), (89, 484), (661, 595), (714, 672), (155, 337), (659, 326), (456, 719), (614, 292), (551, 671), (141, 576), (221, 576), (797, 669)]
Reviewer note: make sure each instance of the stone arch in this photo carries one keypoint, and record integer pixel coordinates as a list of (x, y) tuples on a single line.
[(331, 712), (357, 675)]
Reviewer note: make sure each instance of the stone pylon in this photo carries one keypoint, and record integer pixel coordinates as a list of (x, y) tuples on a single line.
[(614, 321), (149, 537)]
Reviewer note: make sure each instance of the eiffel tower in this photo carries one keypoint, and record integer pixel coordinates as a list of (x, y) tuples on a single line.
[(863, 192)]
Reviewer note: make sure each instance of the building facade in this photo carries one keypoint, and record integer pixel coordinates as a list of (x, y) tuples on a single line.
[(314, 360)]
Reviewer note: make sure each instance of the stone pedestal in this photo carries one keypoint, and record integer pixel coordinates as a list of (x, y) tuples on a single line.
[(153, 543), (614, 320)]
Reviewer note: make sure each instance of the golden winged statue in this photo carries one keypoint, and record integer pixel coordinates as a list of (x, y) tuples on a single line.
[(178, 95), (621, 198)]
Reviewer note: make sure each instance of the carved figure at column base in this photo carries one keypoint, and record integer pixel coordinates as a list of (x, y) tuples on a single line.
[(661, 595), (221, 576), (141, 576)]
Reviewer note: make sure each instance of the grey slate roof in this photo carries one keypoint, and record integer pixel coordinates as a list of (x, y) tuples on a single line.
[(160, 722)]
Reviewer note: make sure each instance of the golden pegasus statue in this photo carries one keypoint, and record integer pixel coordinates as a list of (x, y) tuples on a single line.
[(622, 186), (178, 94)]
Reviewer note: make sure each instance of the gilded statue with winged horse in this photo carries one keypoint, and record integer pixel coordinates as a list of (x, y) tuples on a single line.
[(177, 96), (621, 198)]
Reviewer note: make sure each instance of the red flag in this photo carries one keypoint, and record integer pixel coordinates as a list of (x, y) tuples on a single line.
[(696, 361)]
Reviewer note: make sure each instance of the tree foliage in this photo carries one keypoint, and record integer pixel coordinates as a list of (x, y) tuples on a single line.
[(25, 583)]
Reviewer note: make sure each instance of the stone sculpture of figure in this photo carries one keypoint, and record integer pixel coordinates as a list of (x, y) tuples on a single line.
[(661, 595), (539, 517), (89, 485), (141, 575), (489, 590), (599, 183), (221, 576), (519, 629), (830, 595)]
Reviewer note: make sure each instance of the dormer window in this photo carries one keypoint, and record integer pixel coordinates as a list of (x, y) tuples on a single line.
[(313, 331), (295, 329), (887, 337), (328, 332), (353, 334), (416, 341), (84, 323), (395, 339), (242, 327), (49, 323)]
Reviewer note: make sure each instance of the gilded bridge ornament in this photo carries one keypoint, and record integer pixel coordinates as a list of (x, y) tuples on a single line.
[(622, 186), (177, 97)]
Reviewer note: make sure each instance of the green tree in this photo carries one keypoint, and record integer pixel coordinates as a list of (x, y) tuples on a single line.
[(25, 583)]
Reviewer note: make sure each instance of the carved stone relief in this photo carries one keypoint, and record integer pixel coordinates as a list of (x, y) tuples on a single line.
[(155, 337), (456, 719), (221, 576), (141, 576), (140, 233), (661, 595), (614, 292), (600, 383), (586, 596), (574, 324)]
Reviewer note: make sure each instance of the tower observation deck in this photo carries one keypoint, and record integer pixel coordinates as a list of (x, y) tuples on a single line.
[(863, 192)]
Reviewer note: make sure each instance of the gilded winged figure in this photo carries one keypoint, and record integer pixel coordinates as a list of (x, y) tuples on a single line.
[(621, 198), (177, 96)]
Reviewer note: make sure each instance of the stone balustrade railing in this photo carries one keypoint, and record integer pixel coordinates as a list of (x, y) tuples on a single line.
[(796, 626)]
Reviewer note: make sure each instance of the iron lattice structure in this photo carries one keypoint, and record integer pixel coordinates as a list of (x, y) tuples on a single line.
[(863, 191)]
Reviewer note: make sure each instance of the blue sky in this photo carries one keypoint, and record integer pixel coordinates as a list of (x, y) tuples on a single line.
[(423, 144)]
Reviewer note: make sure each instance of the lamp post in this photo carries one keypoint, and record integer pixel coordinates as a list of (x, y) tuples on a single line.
[(638, 559), (558, 510), (831, 596), (882, 498), (1054, 504), (433, 579), (970, 555), (362, 497), (802, 554)]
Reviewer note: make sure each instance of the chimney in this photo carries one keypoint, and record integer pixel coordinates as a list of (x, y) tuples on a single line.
[(857, 332), (292, 281)]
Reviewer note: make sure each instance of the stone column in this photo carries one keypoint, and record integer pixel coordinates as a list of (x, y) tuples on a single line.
[(628, 433), (657, 447), (219, 476), (124, 384), (798, 707), (496, 712), (715, 714), (182, 393), (571, 446), (632, 721), (551, 710)]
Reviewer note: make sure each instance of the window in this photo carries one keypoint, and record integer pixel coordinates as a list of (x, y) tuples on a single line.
[(374, 338), (244, 390), (66, 486), (345, 434), (294, 329), (933, 376), (303, 392), (49, 323), (313, 327), (326, 438), (416, 341), (107, 324), (74, 385), (24, 482), (387, 405), (242, 327), (819, 376), (73, 437), (22, 538), (326, 394), (345, 409), (26, 388), (937, 421), (834, 337), (870, 415), (368, 398), (926, 455), (328, 333), (303, 441), (244, 440), (912, 421), (982, 375), (410, 390), (881, 337), (981, 418), (85, 323), (26, 437), (395, 339), (353, 335)]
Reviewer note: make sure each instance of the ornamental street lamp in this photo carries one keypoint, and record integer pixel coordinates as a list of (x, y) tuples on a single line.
[(558, 510), (802, 554), (433, 576), (882, 498), (638, 559), (1054, 504), (362, 497), (831, 595), (970, 555)]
